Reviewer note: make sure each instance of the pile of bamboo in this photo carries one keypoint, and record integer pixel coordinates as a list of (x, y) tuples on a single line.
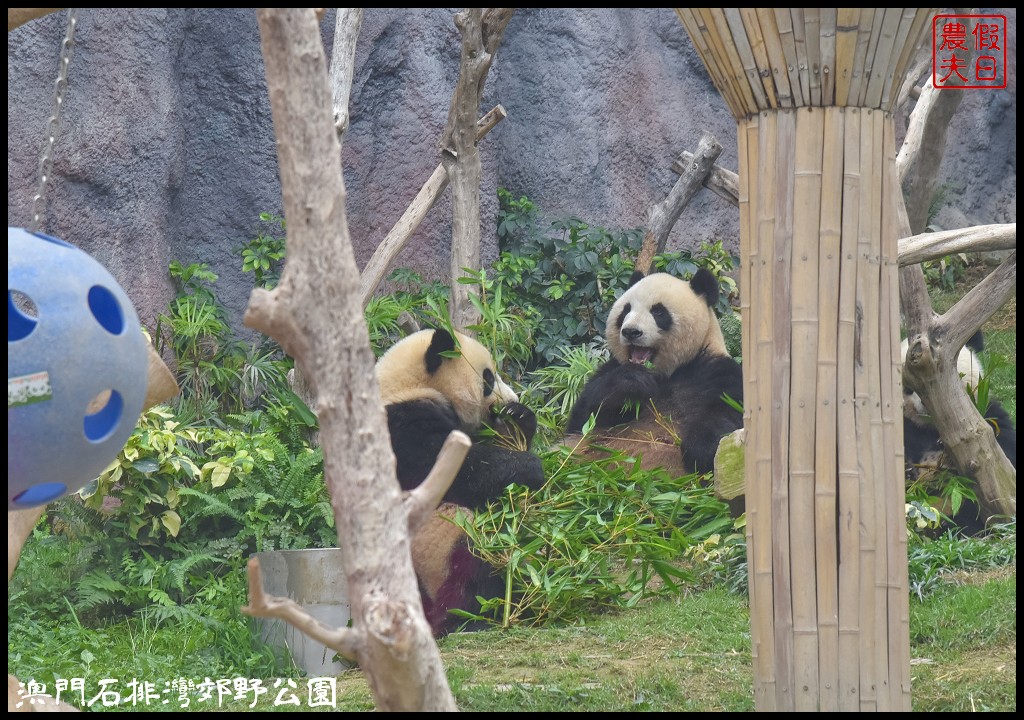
[(811, 90)]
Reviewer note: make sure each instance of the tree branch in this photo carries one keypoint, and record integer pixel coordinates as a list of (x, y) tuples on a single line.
[(344, 641), (422, 501), (980, 238), (661, 217), (399, 235)]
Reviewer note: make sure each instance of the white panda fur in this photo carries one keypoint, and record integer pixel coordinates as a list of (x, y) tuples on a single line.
[(427, 394), (968, 364), (669, 359)]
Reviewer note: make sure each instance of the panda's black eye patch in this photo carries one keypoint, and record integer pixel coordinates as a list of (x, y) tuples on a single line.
[(662, 317), (488, 382), (622, 315)]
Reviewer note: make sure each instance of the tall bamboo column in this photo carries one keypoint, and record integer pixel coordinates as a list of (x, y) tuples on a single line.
[(812, 91)]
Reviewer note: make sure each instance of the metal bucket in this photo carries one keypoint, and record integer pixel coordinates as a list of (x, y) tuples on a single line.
[(315, 579)]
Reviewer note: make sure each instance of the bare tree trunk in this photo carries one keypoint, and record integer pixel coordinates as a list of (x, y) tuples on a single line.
[(315, 315), (935, 341), (399, 235), (481, 34), (343, 64), (662, 216)]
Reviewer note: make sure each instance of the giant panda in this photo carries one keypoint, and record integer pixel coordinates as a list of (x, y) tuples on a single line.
[(433, 382), (922, 444), (659, 395), (923, 448)]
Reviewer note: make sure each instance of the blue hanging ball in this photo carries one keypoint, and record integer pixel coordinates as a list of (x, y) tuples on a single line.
[(77, 368)]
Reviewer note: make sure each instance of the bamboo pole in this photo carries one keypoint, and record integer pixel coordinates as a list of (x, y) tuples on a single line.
[(893, 78), (784, 22), (701, 42), (825, 419), (813, 39), (783, 140), (765, 697), (891, 362), (865, 383), (861, 56), (804, 323), (880, 65), (776, 57), (846, 50), (901, 74), (737, 67), (828, 56), (757, 46), (849, 471), (746, 54)]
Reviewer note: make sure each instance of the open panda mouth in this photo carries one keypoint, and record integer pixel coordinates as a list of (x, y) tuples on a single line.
[(640, 355)]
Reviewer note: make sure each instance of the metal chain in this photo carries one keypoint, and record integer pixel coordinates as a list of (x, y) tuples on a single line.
[(67, 49)]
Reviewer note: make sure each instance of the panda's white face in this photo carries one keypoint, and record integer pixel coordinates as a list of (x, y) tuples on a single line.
[(968, 364), (661, 322), (419, 366)]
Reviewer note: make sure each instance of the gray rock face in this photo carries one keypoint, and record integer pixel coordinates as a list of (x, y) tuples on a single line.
[(167, 148)]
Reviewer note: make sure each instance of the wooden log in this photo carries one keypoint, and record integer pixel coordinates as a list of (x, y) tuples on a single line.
[(722, 182), (979, 238)]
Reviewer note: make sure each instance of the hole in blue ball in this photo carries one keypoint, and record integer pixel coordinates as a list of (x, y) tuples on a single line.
[(40, 494), (106, 309), (100, 424), (21, 316)]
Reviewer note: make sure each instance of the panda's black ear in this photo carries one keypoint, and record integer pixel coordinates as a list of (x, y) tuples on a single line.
[(636, 277), (705, 284), (441, 342)]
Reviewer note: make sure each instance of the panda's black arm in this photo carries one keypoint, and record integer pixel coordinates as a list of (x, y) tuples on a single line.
[(611, 388), (488, 470), (419, 429), (705, 418)]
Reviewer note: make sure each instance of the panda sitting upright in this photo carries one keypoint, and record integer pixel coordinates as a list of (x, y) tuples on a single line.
[(431, 386), (662, 387)]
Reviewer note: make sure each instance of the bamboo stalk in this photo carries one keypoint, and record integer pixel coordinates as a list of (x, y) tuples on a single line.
[(849, 470), (734, 68), (802, 59), (828, 56), (916, 36), (902, 41), (781, 352), (746, 133), (766, 691), (864, 387), (883, 57), (861, 57), (764, 69), (846, 50), (784, 23), (813, 39), (825, 420), (804, 539), (698, 32), (736, 30), (776, 58), (892, 420)]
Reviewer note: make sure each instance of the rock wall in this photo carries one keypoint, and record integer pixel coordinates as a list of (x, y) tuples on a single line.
[(167, 149)]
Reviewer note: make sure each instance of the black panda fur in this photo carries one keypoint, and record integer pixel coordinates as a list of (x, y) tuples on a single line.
[(427, 394), (923, 448), (668, 366)]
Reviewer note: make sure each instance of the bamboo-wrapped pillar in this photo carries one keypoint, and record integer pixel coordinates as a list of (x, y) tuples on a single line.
[(812, 91)]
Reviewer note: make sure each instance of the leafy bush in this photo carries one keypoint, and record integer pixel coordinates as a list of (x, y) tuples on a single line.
[(565, 277)]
